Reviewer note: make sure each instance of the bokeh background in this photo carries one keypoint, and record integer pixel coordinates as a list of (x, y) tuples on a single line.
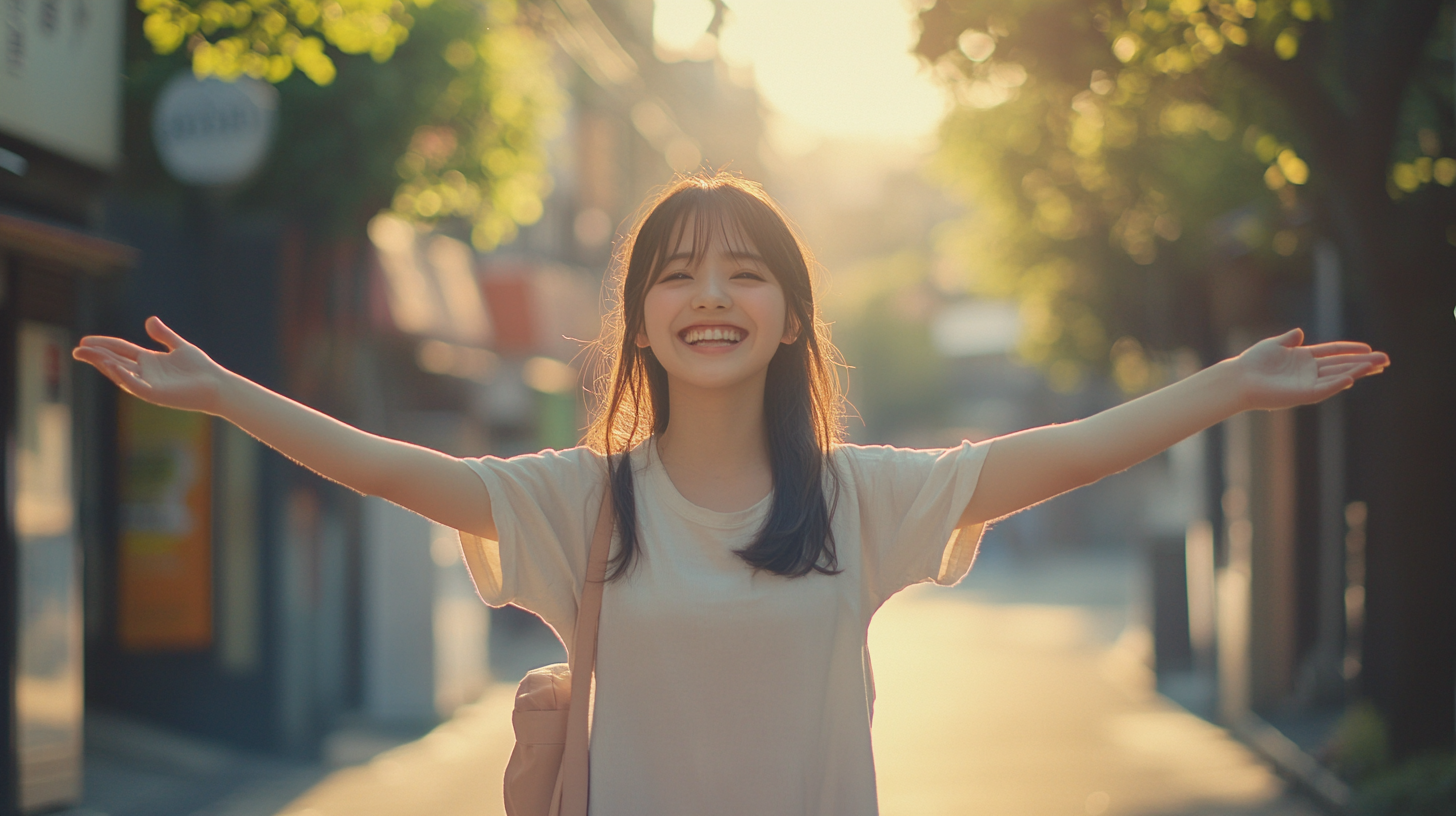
[(403, 212)]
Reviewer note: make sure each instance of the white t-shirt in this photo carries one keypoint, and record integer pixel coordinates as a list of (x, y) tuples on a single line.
[(719, 691)]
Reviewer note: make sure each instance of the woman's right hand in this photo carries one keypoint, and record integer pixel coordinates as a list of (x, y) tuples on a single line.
[(433, 484), (182, 377)]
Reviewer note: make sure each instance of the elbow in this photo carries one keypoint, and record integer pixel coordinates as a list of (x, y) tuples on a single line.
[(1085, 460), (384, 471), (378, 482), (1081, 474)]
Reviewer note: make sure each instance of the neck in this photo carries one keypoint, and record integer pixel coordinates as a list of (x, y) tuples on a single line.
[(718, 430)]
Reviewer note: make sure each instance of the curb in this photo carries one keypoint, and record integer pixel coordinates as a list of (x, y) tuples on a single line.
[(1290, 761)]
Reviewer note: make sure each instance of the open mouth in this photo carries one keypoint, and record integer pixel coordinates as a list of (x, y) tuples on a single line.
[(713, 336)]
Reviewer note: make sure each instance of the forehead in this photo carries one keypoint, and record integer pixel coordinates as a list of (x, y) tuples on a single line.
[(699, 233)]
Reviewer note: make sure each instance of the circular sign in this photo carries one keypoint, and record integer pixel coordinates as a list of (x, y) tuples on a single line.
[(211, 132)]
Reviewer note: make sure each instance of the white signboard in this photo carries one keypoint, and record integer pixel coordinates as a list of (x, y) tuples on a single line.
[(60, 76), (212, 132)]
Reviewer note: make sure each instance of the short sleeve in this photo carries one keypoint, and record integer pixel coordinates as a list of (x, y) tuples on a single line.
[(909, 503), (544, 506)]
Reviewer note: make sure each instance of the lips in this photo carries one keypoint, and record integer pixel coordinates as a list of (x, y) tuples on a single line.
[(713, 335)]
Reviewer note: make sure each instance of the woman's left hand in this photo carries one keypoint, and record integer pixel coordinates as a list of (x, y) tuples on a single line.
[(1281, 373), (1031, 466)]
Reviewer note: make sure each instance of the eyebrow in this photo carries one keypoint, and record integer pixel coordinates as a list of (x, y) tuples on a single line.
[(732, 254)]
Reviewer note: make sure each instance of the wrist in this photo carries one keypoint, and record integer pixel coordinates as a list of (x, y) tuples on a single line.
[(227, 392), (1232, 383)]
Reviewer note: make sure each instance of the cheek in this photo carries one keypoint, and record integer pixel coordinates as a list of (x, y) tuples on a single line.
[(773, 313), (656, 317)]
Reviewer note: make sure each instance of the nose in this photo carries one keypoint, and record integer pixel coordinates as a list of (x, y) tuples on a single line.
[(711, 294)]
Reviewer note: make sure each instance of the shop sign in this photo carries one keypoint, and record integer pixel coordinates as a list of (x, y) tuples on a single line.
[(60, 77), (209, 132)]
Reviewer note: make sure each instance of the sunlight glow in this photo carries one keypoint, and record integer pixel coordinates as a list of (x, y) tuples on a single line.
[(837, 68)]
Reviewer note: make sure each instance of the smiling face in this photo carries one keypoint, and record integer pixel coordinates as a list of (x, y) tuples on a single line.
[(715, 314), (715, 304)]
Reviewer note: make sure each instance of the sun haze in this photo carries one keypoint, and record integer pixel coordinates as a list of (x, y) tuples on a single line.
[(838, 69)]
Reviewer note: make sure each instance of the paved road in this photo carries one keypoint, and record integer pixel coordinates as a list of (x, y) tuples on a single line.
[(1023, 710), (985, 707)]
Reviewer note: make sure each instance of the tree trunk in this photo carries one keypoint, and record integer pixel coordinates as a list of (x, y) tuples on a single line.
[(1406, 463), (1401, 290)]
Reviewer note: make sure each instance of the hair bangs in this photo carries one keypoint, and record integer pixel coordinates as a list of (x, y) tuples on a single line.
[(701, 219)]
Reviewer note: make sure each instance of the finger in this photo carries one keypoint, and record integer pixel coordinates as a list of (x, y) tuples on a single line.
[(159, 331), (125, 348), (1329, 386), (107, 366), (1291, 338), (1374, 358), (93, 356), (104, 360), (128, 381), (1338, 347), (134, 366), (1343, 369), (1371, 371)]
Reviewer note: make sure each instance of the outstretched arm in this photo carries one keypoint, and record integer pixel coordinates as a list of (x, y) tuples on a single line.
[(430, 483), (1029, 467)]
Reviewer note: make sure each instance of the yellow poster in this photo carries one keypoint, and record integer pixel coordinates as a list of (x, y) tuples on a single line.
[(165, 558)]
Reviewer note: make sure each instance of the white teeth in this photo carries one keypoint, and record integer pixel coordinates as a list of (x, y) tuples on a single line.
[(731, 335)]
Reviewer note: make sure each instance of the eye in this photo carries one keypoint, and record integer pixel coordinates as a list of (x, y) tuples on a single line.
[(677, 274), (750, 274)]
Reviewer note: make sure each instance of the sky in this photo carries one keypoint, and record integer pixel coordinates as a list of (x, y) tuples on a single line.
[(830, 68)]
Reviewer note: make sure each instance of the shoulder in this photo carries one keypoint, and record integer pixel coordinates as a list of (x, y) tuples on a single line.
[(545, 466), (870, 455), (864, 465), (870, 462), (580, 456)]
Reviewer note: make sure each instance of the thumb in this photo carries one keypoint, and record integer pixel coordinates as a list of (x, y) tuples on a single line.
[(158, 331), (1292, 338)]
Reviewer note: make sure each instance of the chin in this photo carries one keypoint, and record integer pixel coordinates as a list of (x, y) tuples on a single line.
[(715, 380)]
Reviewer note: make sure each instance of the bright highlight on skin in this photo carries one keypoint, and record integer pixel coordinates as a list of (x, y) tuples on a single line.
[(839, 68)]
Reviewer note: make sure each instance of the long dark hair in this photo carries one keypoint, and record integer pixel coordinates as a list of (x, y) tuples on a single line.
[(803, 405)]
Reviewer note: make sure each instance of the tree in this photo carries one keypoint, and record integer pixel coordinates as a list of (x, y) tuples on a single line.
[(1111, 147), (446, 119)]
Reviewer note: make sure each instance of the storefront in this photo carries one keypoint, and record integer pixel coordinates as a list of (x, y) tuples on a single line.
[(59, 140), (47, 276)]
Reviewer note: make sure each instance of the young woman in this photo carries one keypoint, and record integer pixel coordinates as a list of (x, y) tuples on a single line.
[(753, 546)]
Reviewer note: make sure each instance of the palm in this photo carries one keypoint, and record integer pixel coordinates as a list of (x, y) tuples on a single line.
[(182, 377), (1281, 373)]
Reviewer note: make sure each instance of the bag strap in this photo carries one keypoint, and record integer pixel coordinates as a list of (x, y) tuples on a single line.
[(574, 777)]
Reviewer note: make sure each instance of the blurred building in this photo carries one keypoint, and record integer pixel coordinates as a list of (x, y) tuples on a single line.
[(205, 583), (1258, 567), (60, 100)]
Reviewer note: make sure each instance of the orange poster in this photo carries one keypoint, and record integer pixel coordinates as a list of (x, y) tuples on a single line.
[(165, 559)]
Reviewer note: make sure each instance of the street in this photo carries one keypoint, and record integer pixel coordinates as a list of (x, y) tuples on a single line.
[(994, 701)]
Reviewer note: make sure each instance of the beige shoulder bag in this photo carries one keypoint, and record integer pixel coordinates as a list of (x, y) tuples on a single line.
[(547, 772)]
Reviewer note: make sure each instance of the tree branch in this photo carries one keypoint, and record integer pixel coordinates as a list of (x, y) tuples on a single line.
[(1395, 34)]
